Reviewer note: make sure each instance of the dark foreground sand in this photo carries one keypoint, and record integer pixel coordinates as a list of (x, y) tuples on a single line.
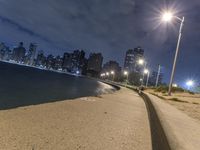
[(115, 121)]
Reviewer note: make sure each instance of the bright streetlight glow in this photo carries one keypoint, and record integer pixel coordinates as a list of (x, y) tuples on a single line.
[(190, 83), (125, 72), (146, 71), (140, 61), (103, 74), (107, 73), (174, 85), (167, 16), (112, 72)]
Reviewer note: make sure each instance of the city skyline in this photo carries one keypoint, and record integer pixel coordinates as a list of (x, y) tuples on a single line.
[(71, 25)]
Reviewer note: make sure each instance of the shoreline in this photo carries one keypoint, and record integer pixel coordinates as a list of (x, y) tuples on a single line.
[(23, 86)]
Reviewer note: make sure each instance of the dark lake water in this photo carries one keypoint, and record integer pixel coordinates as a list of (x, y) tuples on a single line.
[(23, 86)]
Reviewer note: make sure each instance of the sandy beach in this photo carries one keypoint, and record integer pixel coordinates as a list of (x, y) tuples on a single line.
[(117, 121)]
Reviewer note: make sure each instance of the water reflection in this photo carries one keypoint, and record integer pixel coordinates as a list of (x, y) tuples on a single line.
[(22, 86)]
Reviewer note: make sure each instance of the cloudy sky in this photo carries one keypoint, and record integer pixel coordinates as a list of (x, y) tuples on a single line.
[(107, 26)]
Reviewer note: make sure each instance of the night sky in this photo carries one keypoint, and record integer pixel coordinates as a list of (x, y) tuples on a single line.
[(107, 26)]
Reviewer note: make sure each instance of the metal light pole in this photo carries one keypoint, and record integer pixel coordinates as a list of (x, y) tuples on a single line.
[(126, 73), (113, 75), (145, 65), (147, 79), (176, 54), (158, 75)]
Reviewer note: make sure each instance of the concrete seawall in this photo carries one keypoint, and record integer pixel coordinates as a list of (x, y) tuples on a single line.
[(182, 132)]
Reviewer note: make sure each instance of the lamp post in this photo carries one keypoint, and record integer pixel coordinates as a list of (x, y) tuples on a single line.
[(146, 71), (189, 84), (142, 62), (113, 75), (158, 75), (168, 16), (126, 74)]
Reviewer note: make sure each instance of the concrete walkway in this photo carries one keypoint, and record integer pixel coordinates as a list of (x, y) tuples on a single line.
[(117, 121), (182, 131)]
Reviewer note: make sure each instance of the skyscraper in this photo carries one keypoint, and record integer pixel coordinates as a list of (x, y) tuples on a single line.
[(31, 53), (111, 66), (131, 59), (19, 53), (74, 62), (41, 59), (66, 61), (94, 64)]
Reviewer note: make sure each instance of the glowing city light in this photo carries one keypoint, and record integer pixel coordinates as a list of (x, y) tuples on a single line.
[(146, 71), (140, 61), (112, 72), (167, 16), (174, 85), (190, 83), (125, 72)]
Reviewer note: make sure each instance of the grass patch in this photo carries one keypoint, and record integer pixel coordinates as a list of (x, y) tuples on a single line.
[(195, 103), (161, 97), (177, 100), (190, 92), (164, 89)]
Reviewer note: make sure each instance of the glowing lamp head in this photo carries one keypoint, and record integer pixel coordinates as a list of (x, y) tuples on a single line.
[(174, 85), (107, 73), (190, 83), (140, 61), (125, 72), (112, 72), (146, 71), (167, 16)]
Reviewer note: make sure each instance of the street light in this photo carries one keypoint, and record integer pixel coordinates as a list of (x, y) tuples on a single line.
[(174, 85), (189, 83), (146, 71), (113, 74), (167, 17), (142, 62), (126, 74)]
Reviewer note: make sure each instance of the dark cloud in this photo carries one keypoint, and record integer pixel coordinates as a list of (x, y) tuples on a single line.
[(108, 26)]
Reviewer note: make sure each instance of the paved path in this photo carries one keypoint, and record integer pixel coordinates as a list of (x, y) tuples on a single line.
[(117, 121)]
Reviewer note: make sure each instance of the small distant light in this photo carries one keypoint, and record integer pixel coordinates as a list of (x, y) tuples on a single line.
[(125, 72), (140, 61), (112, 72), (103, 74), (146, 71), (107, 73), (77, 72), (140, 79), (174, 85)]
